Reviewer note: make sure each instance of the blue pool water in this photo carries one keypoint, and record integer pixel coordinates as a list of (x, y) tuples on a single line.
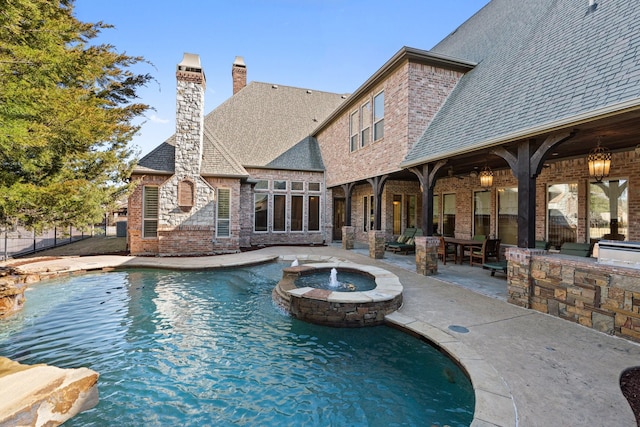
[(321, 280), (210, 348)]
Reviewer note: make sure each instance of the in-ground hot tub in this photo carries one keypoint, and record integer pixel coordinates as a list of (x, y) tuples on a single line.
[(342, 306)]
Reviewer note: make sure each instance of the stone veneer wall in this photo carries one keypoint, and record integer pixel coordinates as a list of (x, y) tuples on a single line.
[(184, 232), (599, 296)]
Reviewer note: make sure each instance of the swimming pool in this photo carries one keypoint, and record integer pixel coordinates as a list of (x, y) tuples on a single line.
[(210, 348)]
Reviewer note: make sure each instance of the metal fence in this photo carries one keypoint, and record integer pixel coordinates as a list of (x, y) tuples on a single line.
[(19, 241)]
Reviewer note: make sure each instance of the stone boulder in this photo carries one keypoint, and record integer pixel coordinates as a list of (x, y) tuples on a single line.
[(41, 395)]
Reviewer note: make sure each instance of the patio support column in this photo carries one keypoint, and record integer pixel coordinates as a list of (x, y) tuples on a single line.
[(347, 189), (377, 184), (427, 176), (526, 197), (526, 165)]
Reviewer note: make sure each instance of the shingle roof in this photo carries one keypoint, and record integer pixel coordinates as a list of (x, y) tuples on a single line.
[(305, 153), (539, 62), (257, 127)]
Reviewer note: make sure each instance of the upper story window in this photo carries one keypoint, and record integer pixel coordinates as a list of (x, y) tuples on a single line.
[(353, 131), (378, 116), (262, 185), (297, 186), (280, 185), (365, 119), (314, 186)]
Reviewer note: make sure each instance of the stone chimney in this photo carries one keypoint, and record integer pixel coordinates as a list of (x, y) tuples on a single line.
[(239, 74), (191, 84)]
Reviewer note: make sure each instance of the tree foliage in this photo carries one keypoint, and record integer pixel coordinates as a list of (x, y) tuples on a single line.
[(67, 107)]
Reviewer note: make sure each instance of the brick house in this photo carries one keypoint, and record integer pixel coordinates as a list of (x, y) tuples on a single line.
[(520, 91), (246, 174)]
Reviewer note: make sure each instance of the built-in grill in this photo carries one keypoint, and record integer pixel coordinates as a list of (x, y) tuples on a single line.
[(614, 252)]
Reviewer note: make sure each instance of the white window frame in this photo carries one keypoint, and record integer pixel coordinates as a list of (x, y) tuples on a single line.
[(365, 141), (377, 137), (353, 131), (308, 210), (284, 212), (254, 213), (302, 229)]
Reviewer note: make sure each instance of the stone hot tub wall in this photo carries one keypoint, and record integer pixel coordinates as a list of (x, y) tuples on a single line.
[(339, 309), (581, 290)]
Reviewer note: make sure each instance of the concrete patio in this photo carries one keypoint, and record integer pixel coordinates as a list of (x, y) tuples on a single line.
[(527, 368)]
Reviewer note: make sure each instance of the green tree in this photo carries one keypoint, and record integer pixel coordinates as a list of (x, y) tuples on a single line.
[(67, 107)]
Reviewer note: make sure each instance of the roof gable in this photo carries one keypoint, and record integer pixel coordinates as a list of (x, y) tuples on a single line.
[(263, 121)]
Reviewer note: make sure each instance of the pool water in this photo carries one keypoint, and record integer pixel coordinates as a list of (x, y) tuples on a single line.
[(210, 348), (348, 281)]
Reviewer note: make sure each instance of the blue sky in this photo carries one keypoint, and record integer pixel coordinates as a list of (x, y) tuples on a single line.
[(327, 45)]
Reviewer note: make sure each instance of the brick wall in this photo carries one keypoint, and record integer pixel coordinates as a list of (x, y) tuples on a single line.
[(625, 165), (180, 232), (412, 95)]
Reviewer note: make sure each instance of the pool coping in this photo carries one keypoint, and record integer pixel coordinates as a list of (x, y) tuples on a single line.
[(494, 402), (387, 287)]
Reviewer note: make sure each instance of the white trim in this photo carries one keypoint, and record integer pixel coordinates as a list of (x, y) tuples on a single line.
[(254, 213)]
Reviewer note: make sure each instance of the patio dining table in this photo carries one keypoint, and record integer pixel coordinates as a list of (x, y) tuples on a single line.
[(461, 244)]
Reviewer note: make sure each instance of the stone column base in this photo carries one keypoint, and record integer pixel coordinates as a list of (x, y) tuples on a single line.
[(519, 277), (427, 255), (376, 244), (348, 237)]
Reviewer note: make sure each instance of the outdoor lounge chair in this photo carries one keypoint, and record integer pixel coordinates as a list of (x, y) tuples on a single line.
[(406, 247), (407, 234)]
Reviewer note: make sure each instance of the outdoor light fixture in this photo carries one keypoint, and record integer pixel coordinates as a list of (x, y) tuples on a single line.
[(486, 177), (599, 160)]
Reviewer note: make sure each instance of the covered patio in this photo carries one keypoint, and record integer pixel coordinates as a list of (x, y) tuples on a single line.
[(463, 275)]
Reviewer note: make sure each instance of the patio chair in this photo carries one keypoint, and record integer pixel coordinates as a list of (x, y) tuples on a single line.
[(467, 250), (445, 250), (394, 246), (490, 250)]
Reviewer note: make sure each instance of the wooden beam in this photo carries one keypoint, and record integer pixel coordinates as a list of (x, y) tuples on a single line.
[(347, 189), (377, 184)]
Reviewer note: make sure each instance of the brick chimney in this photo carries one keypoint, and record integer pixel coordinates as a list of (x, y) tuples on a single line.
[(191, 84), (239, 74)]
